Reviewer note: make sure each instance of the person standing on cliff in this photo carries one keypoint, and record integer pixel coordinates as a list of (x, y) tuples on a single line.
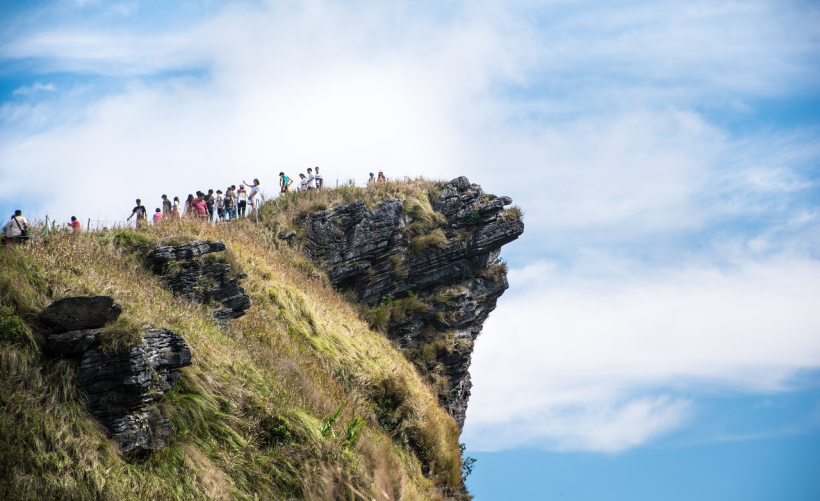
[(16, 230), (157, 216), (140, 212), (188, 210), (200, 207), (371, 180), (311, 179), (303, 186), (381, 178), (75, 225), (166, 205), (209, 203), (253, 196), (242, 197), (319, 180), (284, 183), (175, 209)]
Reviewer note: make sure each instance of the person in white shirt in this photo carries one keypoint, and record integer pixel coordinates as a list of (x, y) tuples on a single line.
[(252, 196), (15, 229), (371, 180), (242, 197), (220, 205), (319, 180), (311, 179), (303, 186)]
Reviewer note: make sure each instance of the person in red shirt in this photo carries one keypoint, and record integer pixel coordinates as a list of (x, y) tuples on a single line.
[(200, 206), (75, 225), (158, 216)]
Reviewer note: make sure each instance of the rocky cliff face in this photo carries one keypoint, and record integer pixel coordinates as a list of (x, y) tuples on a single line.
[(428, 272), (120, 385), (200, 271)]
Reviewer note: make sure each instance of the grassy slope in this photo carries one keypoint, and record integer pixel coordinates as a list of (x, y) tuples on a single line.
[(247, 415)]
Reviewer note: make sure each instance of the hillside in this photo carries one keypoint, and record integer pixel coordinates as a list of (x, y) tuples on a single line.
[(338, 381)]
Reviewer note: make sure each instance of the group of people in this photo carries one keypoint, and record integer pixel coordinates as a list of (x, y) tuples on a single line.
[(373, 180), (210, 207), (222, 206), (312, 181)]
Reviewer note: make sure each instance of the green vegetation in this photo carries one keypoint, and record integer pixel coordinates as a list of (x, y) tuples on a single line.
[(435, 238), (248, 415), (12, 328), (392, 310)]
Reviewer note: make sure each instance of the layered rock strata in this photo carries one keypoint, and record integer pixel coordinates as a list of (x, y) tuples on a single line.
[(432, 279), (194, 270), (120, 386)]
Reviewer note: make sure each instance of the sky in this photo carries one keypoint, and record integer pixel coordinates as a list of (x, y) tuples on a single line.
[(661, 335)]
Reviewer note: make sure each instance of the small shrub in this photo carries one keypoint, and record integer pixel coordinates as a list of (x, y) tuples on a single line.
[(12, 329), (514, 213), (119, 336), (128, 240), (495, 271), (275, 430), (473, 218), (435, 238)]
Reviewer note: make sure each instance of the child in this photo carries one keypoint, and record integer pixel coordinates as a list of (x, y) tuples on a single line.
[(157, 216)]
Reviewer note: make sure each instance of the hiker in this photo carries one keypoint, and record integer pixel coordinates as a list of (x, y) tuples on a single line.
[(311, 179), (381, 178), (166, 205), (140, 212), (209, 203), (189, 206), (75, 225), (252, 196), (320, 182), (229, 204), (284, 182), (158, 216), (302, 182), (220, 205), (242, 197), (16, 230), (175, 209), (371, 180), (200, 206)]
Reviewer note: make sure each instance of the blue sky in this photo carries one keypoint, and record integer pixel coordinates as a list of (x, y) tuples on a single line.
[(663, 311)]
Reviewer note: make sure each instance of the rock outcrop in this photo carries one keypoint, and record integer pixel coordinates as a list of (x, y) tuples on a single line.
[(82, 312), (429, 273), (194, 270), (121, 385)]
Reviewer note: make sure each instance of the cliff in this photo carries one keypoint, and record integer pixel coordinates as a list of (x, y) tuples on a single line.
[(430, 272), (320, 354)]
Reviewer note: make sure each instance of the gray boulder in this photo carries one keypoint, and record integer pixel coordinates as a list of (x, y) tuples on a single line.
[(79, 313)]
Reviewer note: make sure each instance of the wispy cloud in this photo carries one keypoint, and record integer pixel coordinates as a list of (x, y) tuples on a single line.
[(592, 343), (34, 88)]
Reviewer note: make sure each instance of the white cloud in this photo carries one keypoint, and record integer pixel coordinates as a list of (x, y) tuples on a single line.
[(31, 89), (583, 348), (603, 426)]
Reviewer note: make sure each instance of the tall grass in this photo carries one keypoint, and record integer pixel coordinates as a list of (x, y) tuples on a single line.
[(247, 414)]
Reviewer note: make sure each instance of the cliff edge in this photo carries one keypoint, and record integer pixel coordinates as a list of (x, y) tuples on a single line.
[(427, 268)]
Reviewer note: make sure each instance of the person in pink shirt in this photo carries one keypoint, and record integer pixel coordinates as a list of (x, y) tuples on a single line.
[(157, 216), (75, 225), (200, 206)]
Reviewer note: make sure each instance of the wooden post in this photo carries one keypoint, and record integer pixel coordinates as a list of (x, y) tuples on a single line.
[(88, 226)]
